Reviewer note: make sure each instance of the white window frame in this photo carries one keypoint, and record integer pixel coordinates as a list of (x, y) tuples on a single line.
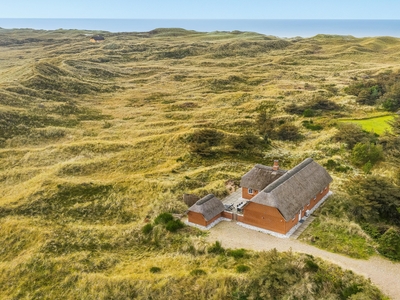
[(250, 191)]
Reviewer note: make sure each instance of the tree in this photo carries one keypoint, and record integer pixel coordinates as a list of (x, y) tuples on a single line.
[(351, 134), (364, 97), (364, 153), (373, 198)]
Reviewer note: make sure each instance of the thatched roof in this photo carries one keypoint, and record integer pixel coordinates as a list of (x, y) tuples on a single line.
[(260, 176), (209, 207), (292, 191)]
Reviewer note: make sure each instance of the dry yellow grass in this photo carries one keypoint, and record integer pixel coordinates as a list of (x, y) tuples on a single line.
[(93, 170)]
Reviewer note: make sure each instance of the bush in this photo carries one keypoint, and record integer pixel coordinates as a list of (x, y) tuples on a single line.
[(237, 253), (155, 270), (336, 166), (163, 218), (201, 141), (309, 112), (242, 268), (216, 248), (198, 272), (174, 225), (310, 125), (147, 228), (390, 104), (247, 141), (374, 199), (288, 132), (351, 134), (366, 154), (389, 244), (311, 265)]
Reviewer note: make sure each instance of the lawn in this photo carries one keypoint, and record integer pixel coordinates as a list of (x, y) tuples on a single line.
[(376, 124)]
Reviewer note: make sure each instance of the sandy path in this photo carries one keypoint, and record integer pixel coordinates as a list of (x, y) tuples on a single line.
[(383, 273)]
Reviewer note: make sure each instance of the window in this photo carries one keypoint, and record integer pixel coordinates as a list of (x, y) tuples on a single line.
[(250, 191)]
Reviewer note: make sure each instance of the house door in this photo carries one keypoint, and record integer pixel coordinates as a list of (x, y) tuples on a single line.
[(299, 215)]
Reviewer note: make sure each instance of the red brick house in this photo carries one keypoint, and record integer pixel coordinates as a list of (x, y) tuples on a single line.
[(272, 199), (285, 198)]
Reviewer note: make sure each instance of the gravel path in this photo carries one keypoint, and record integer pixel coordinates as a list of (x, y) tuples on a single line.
[(383, 273)]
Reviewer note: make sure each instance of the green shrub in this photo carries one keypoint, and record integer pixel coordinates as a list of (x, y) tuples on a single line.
[(336, 166), (202, 141), (374, 199), (309, 112), (174, 225), (351, 134), (244, 141), (242, 268), (237, 253), (311, 265), (366, 153), (163, 218), (147, 228), (288, 132), (389, 244), (198, 272), (216, 248), (155, 270), (310, 125)]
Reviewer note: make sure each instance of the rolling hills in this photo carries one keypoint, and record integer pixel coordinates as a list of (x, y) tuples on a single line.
[(96, 140)]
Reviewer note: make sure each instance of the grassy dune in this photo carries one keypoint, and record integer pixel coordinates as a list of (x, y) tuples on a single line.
[(94, 144)]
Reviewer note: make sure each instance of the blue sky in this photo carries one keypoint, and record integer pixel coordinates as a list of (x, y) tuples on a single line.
[(202, 9)]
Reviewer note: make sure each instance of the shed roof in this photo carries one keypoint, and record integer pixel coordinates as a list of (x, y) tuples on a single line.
[(260, 176), (209, 207), (292, 191)]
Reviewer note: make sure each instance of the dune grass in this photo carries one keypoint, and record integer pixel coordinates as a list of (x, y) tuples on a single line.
[(94, 144)]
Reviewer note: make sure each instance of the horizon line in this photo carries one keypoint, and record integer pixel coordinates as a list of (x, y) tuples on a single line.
[(199, 19)]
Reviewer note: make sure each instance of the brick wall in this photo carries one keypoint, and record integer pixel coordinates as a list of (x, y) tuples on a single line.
[(246, 195)]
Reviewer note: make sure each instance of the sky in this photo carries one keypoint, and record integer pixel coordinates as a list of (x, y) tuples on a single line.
[(202, 9)]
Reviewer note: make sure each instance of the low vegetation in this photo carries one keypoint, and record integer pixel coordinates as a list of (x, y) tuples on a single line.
[(98, 142)]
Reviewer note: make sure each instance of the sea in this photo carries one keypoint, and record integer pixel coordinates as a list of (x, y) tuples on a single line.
[(279, 28)]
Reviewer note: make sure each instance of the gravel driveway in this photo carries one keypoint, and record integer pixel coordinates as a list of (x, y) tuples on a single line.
[(383, 273)]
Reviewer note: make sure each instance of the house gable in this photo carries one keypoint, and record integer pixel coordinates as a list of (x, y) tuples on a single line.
[(260, 176)]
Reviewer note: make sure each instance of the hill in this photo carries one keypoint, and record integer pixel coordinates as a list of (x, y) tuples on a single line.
[(97, 140)]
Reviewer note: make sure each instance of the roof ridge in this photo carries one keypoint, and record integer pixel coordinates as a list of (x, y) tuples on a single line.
[(288, 175), (205, 199)]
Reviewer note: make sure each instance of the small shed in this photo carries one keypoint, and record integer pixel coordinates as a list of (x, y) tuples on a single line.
[(205, 211), (97, 39)]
